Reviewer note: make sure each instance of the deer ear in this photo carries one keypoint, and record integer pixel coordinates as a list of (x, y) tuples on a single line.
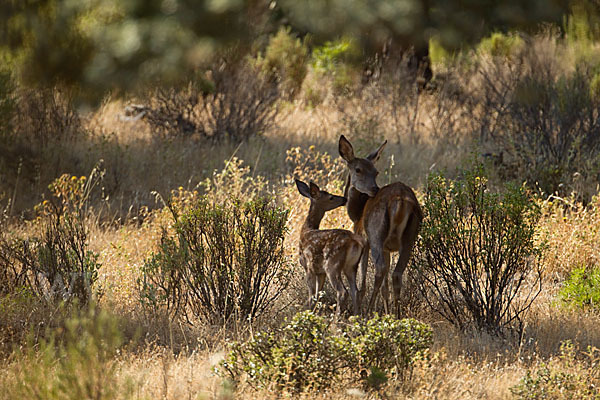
[(315, 192), (345, 149), (374, 156), (303, 188)]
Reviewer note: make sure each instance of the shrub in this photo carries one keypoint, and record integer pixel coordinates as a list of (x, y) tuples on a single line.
[(541, 117), (565, 378), (285, 61), (582, 288), (301, 355), (77, 364), (309, 354), (55, 264), (222, 260), (501, 45), (242, 104), (334, 59), (387, 344), (477, 257)]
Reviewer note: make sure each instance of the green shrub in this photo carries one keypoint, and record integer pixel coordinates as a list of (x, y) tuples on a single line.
[(335, 59), (582, 288), (285, 60), (386, 344), (477, 258), (309, 353), (501, 45), (79, 363), (222, 260)]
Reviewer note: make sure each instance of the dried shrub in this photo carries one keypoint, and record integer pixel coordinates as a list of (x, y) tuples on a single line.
[(45, 116), (540, 117), (55, 263), (570, 376), (241, 104), (223, 260), (477, 257)]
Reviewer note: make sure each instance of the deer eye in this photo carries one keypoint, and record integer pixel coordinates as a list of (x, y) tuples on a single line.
[(330, 197), (358, 171)]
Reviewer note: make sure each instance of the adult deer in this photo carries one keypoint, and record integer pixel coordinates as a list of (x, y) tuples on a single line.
[(328, 252), (389, 217)]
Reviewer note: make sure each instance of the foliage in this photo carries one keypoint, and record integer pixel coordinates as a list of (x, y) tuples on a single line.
[(223, 260), (55, 264), (582, 288), (109, 43), (335, 59), (411, 23), (477, 257), (500, 45), (79, 363), (240, 105), (386, 344), (308, 353), (285, 61), (567, 378)]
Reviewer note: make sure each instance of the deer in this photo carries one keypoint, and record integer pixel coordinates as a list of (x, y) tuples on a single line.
[(328, 252), (389, 217)]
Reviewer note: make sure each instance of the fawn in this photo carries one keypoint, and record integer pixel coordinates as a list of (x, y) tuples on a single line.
[(328, 252)]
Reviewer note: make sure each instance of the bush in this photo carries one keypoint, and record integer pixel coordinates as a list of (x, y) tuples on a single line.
[(335, 59), (55, 264), (80, 363), (477, 257), (309, 354), (565, 378), (222, 260), (582, 288), (541, 117), (242, 104), (501, 45), (285, 61)]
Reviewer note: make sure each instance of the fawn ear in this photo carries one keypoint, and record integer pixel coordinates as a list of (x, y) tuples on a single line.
[(315, 192), (345, 149), (374, 156), (303, 188)]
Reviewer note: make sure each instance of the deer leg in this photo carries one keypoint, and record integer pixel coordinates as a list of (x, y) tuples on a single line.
[(385, 288), (350, 272), (320, 281), (409, 236), (311, 282), (336, 282), (364, 263), (380, 273)]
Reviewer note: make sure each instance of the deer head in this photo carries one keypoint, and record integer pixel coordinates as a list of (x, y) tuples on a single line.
[(362, 171), (319, 199)]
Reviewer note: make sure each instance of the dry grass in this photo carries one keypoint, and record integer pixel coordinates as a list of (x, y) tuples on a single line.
[(172, 361)]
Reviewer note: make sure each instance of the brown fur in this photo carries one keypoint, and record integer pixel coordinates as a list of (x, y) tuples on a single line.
[(328, 253), (390, 218)]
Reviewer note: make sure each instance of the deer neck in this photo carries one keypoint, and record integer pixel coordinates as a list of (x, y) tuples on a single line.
[(356, 203), (313, 220)]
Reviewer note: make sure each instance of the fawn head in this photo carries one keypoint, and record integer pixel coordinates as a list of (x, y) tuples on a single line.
[(321, 199), (362, 171)]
